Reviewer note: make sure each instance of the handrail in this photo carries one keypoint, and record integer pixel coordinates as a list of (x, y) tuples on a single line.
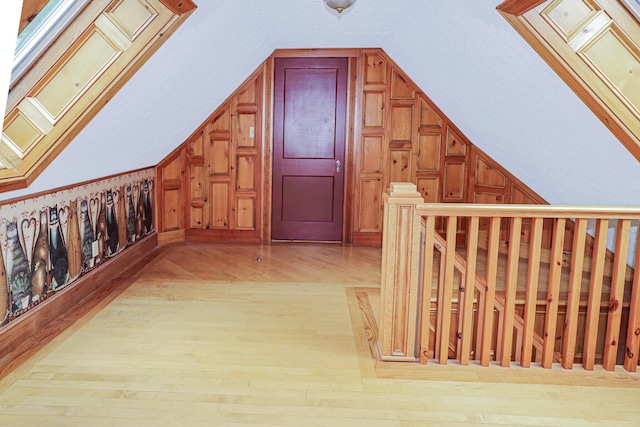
[(528, 211), (550, 246)]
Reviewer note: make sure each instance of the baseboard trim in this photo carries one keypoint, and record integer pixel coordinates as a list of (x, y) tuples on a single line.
[(367, 239), (210, 235), (172, 236), (24, 336)]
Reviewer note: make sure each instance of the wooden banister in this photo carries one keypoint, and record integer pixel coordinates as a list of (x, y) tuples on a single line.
[(499, 303), (532, 236), (400, 260), (528, 211)]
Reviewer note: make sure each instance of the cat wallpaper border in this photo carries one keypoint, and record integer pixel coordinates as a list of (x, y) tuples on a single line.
[(52, 238)]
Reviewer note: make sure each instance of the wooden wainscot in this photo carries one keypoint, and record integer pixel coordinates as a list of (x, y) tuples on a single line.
[(217, 184)]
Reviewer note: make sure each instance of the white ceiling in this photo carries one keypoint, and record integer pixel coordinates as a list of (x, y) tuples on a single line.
[(461, 53)]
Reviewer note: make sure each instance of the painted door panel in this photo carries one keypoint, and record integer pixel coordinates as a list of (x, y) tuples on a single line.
[(310, 99)]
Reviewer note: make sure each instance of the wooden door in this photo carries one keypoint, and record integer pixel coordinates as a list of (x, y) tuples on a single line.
[(309, 131)]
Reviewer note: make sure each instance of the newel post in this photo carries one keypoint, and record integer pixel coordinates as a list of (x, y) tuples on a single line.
[(400, 264)]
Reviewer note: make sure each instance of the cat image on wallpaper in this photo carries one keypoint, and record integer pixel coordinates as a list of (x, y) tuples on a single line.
[(57, 250), (40, 258), (131, 216), (50, 240), (112, 225), (148, 209), (18, 271), (86, 235)]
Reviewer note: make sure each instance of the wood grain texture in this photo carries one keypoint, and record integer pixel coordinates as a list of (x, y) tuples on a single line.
[(267, 154), (583, 74), (425, 287), (633, 330), (616, 296), (99, 89), (224, 168), (595, 292), (445, 293), (400, 261), (205, 335), (573, 300), (467, 294), (171, 237), (511, 286), (531, 293), (518, 7), (395, 133), (30, 9), (419, 144), (179, 7), (48, 58), (557, 316), (487, 326), (22, 337), (553, 290), (170, 195)]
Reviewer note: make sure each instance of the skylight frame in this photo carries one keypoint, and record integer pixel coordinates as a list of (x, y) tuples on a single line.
[(633, 6), (56, 21)]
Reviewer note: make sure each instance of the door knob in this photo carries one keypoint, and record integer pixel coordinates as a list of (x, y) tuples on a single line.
[(338, 164)]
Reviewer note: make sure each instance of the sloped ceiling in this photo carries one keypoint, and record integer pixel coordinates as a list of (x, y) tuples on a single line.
[(462, 54)]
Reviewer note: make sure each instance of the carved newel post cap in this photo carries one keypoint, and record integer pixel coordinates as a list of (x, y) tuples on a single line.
[(403, 190)]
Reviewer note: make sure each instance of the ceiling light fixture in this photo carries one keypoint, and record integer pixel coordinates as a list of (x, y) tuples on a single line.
[(339, 5)]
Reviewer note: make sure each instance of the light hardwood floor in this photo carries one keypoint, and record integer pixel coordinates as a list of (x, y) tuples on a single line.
[(207, 335)]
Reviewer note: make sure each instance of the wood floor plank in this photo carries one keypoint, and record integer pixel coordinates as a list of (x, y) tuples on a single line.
[(208, 335)]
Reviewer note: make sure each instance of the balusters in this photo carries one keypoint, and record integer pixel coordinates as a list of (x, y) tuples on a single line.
[(595, 294), (573, 300), (445, 293), (633, 331), (612, 335), (511, 286), (427, 276), (553, 292), (466, 294), (531, 293), (496, 323), (490, 293)]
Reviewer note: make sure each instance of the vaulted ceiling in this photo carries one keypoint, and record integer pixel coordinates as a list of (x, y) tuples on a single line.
[(463, 54)]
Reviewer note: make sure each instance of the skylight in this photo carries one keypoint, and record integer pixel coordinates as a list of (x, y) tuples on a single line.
[(633, 6), (42, 31)]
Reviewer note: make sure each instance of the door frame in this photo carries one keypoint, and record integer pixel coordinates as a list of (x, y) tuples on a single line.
[(353, 112)]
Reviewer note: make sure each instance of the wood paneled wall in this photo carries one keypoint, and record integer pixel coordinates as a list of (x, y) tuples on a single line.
[(405, 137), (222, 162), (170, 173), (398, 134)]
